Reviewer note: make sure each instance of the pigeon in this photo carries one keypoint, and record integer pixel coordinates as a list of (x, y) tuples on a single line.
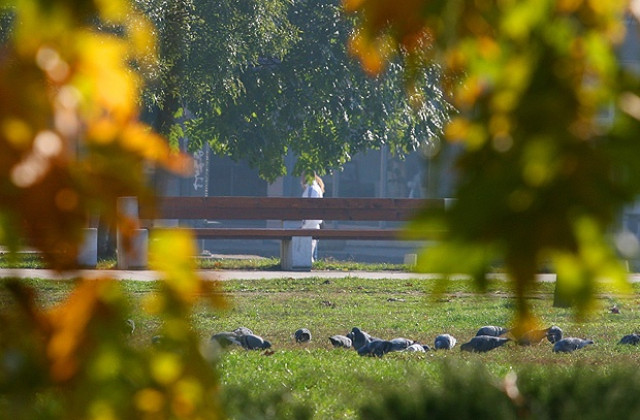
[(303, 335), (400, 343), (553, 334), (484, 343), (360, 338), (633, 339), (129, 326), (340, 341), (445, 342), (417, 348), (350, 335), (376, 348), (569, 344), (492, 331), (253, 342), (243, 331), (226, 339)]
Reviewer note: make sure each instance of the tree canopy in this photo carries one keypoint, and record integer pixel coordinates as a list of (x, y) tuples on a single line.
[(261, 80), (541, 178)]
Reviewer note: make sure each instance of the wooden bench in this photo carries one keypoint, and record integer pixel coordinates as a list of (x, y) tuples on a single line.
[(295, 242)]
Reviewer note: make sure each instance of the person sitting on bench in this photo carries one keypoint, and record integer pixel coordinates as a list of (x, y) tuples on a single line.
[(313, 188)]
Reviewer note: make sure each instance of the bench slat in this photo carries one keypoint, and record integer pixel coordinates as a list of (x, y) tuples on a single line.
[(289, 208), (241, 233)]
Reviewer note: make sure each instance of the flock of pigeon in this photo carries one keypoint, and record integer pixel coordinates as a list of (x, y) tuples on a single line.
[(487, 338)]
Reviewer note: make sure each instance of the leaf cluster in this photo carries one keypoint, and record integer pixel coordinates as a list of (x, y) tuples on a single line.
[(542, 177), (70, 138)]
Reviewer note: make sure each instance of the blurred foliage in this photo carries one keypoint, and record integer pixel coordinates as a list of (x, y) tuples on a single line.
[(542, 176), (262, 80), (464, 393), (76, 359), (71, 143), (276, 404), (471, 392), (70, 136)]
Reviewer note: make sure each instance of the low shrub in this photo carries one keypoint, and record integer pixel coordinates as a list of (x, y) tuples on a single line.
[(471, 392), (466, 392), (277, 404)]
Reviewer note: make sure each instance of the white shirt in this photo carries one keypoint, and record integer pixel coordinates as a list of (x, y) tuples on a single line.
[(312, 191)]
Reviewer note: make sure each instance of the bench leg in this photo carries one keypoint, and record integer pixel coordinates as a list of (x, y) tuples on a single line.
[(296, 253), (88, 252), (138, 256)]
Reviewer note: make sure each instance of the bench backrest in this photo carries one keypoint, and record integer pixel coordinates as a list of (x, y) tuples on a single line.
[(290, 208)]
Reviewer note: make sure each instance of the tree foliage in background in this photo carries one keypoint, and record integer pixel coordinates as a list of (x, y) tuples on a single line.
[(71, 143), (541, 177), (262, 80), (203, 47)]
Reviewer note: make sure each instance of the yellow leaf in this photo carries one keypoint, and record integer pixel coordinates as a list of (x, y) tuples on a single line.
[(188, 394), (372, 53), (568, 6), (457, 129), (171, 252), (149, 400), (102, 410), (17, 132), (107, 364), (69, 321), (153, 304), (352, 5), (113, 10), (113, 85), (166, 368), (141, 38)]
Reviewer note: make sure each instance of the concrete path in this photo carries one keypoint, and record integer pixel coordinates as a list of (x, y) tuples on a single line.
[(149, 275), (222, 275)]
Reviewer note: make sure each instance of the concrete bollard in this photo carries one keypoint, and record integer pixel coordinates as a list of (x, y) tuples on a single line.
[(295, 253), (88, 251), (411, 259), (137, 256)]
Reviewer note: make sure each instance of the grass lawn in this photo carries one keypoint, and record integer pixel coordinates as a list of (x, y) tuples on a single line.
[(297, 379), (34, 260)]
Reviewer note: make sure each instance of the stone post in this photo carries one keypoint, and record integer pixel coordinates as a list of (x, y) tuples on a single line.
[(137, 256)]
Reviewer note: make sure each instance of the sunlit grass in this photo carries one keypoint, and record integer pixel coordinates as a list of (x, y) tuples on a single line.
[(335, 383), (22, 260), (34, 260)]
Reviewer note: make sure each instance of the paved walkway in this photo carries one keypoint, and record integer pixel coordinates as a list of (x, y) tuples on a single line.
[(149, 275), (221, 275)]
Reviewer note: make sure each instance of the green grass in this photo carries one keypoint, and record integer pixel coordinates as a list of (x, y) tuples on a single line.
[(335, 383), (272, 264), (34, 260), (22, 260)]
